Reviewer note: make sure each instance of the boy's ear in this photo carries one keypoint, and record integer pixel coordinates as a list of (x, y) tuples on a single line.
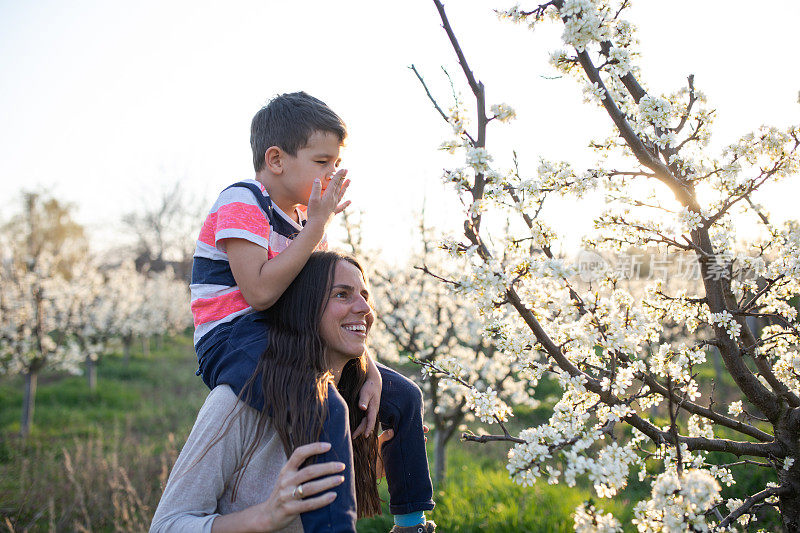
[(273, 158)]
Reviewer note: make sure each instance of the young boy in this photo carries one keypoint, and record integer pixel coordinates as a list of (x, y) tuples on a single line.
[(255, 240)]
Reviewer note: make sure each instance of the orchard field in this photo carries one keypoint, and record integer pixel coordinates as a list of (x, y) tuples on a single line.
[(95, 461)]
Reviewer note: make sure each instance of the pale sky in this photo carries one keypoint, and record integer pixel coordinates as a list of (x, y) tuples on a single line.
[(102, 102)]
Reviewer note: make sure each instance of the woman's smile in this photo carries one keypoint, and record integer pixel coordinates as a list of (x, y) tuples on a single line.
[(358, 329)]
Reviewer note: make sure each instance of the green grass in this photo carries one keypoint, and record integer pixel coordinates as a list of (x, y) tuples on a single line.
[(478, 496), (154, 394), (120, 439)]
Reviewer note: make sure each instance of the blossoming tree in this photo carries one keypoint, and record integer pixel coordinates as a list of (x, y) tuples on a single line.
[(33, 297), (165, 310), (604, 347), (86, 320), (60, 306)]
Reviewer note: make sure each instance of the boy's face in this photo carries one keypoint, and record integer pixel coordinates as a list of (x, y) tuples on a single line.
[(319, 158)]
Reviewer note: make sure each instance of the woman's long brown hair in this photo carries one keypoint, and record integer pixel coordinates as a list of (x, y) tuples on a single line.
[(294, 372)]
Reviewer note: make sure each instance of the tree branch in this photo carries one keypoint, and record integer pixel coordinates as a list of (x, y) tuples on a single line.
[(706, 412), (480, 100), (737, 448), (749, 503), (640, 151), (476, 86)]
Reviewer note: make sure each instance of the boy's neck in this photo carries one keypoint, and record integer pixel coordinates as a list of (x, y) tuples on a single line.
[(272, 184)]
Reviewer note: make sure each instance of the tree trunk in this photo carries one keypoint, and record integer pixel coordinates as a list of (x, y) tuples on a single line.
[(789, 479), (145, 345), (31, 378), (91, 372), (789, 505), (440, 457), (160, 342), (127, 341)]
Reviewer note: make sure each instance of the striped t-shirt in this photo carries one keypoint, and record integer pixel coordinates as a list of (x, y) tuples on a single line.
[(237, 213)]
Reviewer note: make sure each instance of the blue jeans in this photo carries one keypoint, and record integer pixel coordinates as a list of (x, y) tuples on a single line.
[(339, 516), (231, 355)]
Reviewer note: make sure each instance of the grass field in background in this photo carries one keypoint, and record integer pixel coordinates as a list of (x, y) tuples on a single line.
[(96, 461)]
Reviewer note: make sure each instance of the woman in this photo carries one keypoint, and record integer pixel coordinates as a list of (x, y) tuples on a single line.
[(233, 475)]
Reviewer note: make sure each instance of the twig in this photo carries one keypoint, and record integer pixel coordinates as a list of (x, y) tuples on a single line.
[(430, 96), (471, 437), (426, 270)]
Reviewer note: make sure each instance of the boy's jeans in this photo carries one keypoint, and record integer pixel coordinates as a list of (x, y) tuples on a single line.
[(233, 360)]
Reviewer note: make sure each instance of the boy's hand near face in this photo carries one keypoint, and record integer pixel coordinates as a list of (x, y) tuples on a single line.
[(323, 205)]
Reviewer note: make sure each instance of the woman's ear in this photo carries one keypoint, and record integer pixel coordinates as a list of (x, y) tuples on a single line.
[(273, 158)]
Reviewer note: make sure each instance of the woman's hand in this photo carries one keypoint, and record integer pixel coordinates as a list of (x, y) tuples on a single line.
[(297, 490)]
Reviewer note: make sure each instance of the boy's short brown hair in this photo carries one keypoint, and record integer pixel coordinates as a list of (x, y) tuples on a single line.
[(288, 121)]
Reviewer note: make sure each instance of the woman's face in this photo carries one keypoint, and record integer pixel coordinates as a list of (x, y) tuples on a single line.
[(347, 317)]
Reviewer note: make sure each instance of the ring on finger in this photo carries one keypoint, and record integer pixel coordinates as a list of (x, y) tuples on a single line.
[(297, 493)]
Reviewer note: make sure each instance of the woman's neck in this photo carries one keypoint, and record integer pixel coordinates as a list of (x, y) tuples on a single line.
[(336, 366), (336, 370)]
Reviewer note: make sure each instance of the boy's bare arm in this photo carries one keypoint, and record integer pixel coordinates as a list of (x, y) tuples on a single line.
[(262, 281)]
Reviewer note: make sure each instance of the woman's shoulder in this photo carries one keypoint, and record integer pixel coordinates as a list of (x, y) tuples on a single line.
[(223, 404), (221, 395)]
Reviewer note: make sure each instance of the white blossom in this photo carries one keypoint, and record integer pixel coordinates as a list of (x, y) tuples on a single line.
[(590, 520), (487, 405), (726, 320), (656, 111), (503, 112), (478, 159), (735, 408)]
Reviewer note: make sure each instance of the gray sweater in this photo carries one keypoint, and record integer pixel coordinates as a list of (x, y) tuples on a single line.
[(199, 486)]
